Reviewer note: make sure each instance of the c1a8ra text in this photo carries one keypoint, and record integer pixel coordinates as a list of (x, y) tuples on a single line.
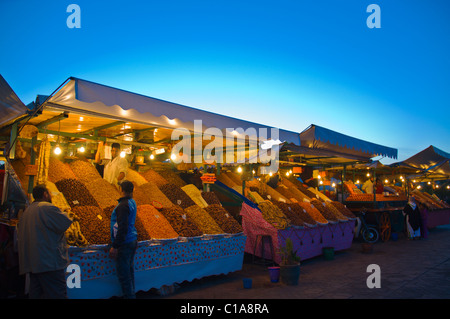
[(246, 308)]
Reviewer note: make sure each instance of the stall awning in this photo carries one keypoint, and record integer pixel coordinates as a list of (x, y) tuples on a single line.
[(322, 138), (432, 161), (11, 106), (97, 99)]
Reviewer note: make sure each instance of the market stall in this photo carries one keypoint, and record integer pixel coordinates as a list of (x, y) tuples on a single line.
[(183, 232), (422, 171)]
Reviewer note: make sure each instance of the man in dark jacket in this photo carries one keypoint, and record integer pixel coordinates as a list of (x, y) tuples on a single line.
[(124, 238)]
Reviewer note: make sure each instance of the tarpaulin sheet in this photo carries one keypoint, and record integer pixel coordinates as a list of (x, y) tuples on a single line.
[(11, 106)]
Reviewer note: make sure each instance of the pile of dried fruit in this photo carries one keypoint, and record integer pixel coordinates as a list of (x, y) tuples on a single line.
[(135, 177), (75, 193), (84, 171), (180, 221), (150, 194), (203, 220), (343, 209), (319, 195), (313, 212), (225, 221), (152, 176), (172, 177), (58, 170), (176, 195), (93, 224), (210, 198), (336, 211), (292, 214), (103, 192), (195, 194), (156, 225), (324, 210), (273, 215)]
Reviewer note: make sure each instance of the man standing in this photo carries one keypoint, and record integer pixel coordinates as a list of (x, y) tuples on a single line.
[(116, 168), (124, 239), (42, 246)]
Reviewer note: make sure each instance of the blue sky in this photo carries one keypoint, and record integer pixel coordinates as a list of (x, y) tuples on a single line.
[(283, 63)]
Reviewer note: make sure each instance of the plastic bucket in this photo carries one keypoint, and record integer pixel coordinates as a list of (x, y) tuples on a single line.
[(394, 236), (328, 253), (274, 273), (247, 282)]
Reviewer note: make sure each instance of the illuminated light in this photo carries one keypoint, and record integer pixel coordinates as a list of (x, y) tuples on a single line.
[(386, 181), (419, 187), (172, 122), (81, 149), (437, 186), (429, 183), (270, 174), (357, 182), (414, 181), (448, 186), (81, 119), (368, 174), (57, 150), (152, 156), (333, 185), (401, 177), (287, 173), (122, 154), (173, 157), (239, 169), (321, 182), (253, 172), (319, 177), (290, 171)]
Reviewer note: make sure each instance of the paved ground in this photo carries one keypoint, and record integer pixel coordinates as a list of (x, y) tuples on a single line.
[(410, 269)]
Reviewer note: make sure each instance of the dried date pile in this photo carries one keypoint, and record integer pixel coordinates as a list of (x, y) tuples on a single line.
[(343, 209), (93, 224), (172, 177), (176, 195), (75, 193), (210, 198), (225, 221), (152, 176), (180, 221)]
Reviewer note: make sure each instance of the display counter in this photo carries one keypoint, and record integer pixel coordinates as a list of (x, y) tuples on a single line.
[(157, 263)]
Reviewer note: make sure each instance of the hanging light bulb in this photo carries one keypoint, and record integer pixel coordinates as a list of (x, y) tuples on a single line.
[(173, 157), (122, 154), (357, 182), (287, 174), (333, 185), (57, 150), (368, 174), (386, 181), (81, 149), (152, 156), (239, 169)]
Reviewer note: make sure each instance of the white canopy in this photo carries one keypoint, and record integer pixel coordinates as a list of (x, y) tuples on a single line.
[(98, 99), (322, 138)]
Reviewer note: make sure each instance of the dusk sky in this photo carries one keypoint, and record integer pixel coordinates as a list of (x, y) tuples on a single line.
[(283, 63)]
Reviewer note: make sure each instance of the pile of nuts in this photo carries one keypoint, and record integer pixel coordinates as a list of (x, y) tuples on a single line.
[(313, 212), (324, 210)]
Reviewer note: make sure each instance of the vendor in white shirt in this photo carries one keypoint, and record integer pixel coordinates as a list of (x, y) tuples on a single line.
[(116, 168)]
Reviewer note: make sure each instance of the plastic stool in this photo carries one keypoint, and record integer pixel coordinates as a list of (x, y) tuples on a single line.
[(263, 239)]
